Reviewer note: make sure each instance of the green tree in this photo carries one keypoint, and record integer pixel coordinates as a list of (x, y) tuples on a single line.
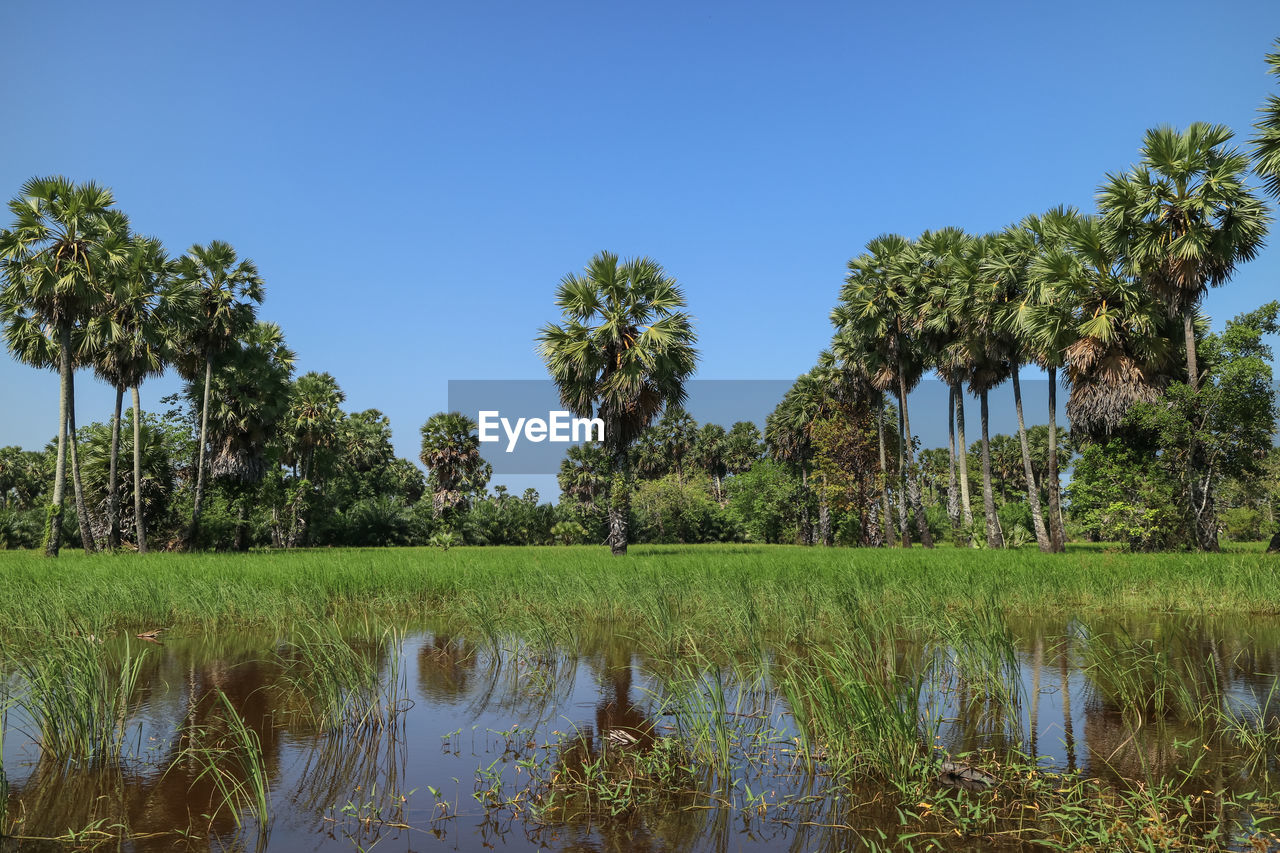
[(710, 454), (451, 452), (244, 406), (227, 289), (137, 330), (1183, 220), (880, 305), (622, 352), (64, 239), (744, 445)]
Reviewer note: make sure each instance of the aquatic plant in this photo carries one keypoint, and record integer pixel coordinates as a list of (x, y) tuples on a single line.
[(78, 693)]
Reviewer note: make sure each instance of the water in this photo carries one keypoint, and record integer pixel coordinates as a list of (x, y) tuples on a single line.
[(479, 734)]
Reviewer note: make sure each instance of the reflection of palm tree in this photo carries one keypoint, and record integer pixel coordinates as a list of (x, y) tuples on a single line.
[(445, 667)]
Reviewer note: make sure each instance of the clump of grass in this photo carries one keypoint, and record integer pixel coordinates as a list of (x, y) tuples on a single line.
[(78, 695), (611, 781), (341, 684), (1148, 681), (857, 713), (230, 754)]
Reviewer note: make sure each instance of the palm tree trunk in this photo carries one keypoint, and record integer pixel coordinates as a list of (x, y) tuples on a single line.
[(113, 497), (953, 497), (1203, 515), (912, 478), (806, 520), (824, 517), (962, 457), (904, 524), (1033, 489), (242, 513), (1057, 536), (1189, 332), (619, 504), (53, 537), (204, 431), (137, 472), (886, 508), (82, 511), (994, 537)]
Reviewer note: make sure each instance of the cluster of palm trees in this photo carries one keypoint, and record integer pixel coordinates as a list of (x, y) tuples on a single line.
[(81, 290), (1111, 299)]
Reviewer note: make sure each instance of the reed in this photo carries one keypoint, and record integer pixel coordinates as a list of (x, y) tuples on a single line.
[(341, 681), (229, 753), (78, 693)]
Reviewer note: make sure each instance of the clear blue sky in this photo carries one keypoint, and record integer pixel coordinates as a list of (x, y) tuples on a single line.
[(414, 178)]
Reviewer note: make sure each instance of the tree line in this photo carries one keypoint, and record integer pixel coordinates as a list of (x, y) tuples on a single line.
[(1169, 420)]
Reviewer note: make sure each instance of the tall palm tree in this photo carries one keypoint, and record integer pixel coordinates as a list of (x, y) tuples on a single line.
[(623, 351), (451, 452), (228, 288), (1120, 350), (1007, 274), (247, 402), (743, 447), (942, 255), (850, 350), (136, 328), (1046, 331), (710, 453), (64, 240), (880, 303), (1183, 219), (982, 356)]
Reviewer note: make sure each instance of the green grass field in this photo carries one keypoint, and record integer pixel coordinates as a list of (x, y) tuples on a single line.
[(709, 590)]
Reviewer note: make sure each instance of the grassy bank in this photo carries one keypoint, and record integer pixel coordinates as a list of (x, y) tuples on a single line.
[(706, 590)]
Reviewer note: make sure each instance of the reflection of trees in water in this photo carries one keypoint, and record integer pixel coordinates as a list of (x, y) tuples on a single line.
[(169, 792), (446, 665)]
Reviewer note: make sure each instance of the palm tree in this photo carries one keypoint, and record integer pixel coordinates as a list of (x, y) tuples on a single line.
[(584, 475), (247, 403), (851, 352), (1120, 343), (313, 424), (136, 328), (880, 304), (1266, 144), (227, 290), (1183, 219), (1046, 332), (982, 356), (64, 240), (623, 351), (742, 447), (1007, 273), (451, 452), (942, 255), (788, 433), (675, 435), (710, 453)]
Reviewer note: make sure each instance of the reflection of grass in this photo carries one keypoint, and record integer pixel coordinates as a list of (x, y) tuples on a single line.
[(710, 590), (230, 754)]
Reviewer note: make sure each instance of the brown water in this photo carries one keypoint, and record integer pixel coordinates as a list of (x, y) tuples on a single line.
[(470, 715)]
